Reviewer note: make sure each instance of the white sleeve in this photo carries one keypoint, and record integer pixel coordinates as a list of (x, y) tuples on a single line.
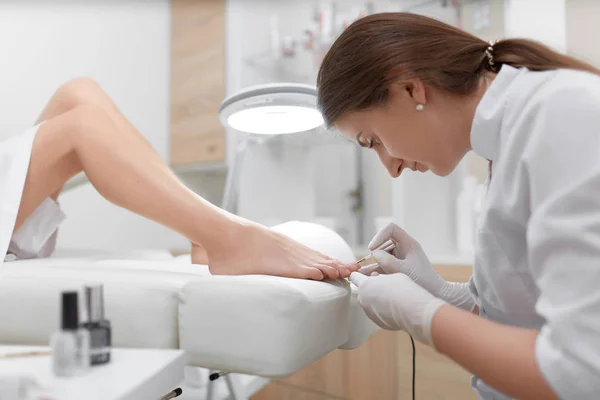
[(562, 159)]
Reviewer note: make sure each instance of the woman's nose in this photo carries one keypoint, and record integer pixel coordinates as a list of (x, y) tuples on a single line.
[(392, 164)]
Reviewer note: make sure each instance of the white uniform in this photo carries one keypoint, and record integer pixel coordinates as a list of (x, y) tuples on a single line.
[(538, 238), (36, 236)]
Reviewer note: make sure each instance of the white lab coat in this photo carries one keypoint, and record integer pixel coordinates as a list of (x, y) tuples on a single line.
[(15, 153), (537, 262)]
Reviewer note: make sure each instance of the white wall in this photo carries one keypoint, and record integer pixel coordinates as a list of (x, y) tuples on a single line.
[(125, 46), (582, 29), (542, 20)]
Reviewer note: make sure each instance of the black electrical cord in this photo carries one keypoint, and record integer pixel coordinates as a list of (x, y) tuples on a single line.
[(414, 364)]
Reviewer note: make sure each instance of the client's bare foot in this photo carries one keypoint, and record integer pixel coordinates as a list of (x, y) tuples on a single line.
[(255, 249)]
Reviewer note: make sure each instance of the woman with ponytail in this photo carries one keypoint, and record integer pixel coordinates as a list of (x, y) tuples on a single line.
[(422, 94)]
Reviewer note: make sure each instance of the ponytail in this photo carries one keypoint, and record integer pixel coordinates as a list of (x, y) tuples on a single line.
[(380, 49), (523, 53)]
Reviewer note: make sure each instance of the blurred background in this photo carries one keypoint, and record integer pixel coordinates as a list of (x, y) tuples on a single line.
[(169, 63)]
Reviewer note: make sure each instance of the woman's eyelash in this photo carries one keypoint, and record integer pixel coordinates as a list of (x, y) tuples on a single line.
[(367, 143), (373, 142)]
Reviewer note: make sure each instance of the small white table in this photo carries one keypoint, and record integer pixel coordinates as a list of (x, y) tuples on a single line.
[(132, 374)]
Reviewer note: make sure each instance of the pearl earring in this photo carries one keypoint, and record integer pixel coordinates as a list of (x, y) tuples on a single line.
[(420, 107)]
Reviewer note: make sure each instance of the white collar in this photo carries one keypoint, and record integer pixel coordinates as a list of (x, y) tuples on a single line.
[(489, 112)]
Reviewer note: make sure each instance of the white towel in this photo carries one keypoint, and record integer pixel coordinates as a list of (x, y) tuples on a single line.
[(15, 153)]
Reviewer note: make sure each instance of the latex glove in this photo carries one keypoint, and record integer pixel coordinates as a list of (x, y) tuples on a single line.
[(396, 302), (409, 258)]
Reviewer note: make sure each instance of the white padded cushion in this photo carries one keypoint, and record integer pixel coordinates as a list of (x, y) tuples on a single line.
[(288, 324), (142, 305), (260, 325)]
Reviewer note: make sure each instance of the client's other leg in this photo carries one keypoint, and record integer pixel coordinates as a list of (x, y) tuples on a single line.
[(125, 172), (85, 91), (75, 93)]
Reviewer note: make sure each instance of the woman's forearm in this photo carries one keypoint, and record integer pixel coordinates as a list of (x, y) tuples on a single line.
[(502, 356)]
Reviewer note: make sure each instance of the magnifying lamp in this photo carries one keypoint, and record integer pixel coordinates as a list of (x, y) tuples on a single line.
[(266, 110), (272, 109)]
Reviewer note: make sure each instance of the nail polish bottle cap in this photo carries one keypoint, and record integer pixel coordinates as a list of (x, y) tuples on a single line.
[(94, 302), (70, 312)]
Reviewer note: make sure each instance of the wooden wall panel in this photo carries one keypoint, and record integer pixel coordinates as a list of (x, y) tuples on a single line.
[(197, 81), (354, 374), (438, 377), (280, 391)]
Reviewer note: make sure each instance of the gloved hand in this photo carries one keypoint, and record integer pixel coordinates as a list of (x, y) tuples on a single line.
[(395, 302), (409, 258)]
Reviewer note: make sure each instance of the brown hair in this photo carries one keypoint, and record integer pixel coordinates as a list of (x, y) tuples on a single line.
[(380, 49)]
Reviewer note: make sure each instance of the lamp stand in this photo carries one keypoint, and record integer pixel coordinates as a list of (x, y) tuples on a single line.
[(232, 183)]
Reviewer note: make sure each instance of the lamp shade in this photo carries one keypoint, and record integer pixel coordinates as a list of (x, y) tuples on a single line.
[(272, 109)]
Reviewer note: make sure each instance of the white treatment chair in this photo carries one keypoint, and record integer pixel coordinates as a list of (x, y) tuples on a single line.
[(261, 326)]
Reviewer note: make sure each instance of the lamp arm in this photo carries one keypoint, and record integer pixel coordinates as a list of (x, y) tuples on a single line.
[(232, 183), (230, 194)]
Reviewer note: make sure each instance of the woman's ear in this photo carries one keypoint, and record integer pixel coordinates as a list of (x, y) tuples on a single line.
[(416, 90), (410, 90)]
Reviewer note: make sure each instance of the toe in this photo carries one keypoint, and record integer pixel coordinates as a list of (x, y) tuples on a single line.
[(329, 271), (344, 269), (312, 273)]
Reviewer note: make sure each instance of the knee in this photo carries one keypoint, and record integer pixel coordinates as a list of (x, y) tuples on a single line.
[(89, 121), (79, 91)]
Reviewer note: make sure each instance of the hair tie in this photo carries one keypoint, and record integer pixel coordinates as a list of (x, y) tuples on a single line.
[(489, 52)]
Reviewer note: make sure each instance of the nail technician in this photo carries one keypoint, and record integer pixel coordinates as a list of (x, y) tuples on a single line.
[(422, 94)]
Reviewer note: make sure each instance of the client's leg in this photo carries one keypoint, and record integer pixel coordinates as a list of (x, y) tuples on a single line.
[(85, 91), (75, 93), (125, 170)]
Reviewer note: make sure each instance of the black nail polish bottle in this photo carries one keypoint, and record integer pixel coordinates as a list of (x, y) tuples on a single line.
[(98, 327)]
